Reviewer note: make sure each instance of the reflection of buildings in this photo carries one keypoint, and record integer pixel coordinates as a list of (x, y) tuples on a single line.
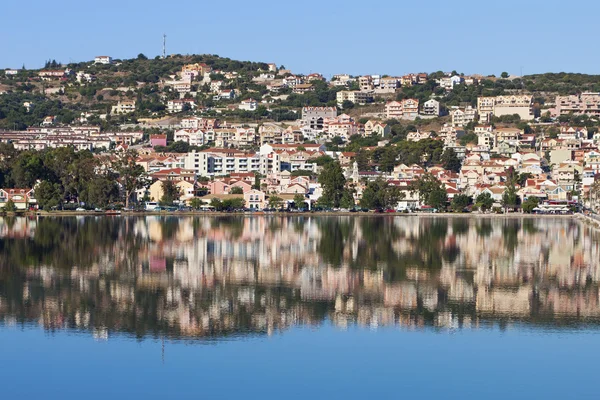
[(209, 276)]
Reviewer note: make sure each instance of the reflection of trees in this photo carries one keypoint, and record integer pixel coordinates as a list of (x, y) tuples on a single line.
[(510, 234), (70, 241), (335, 233), (97, 272)]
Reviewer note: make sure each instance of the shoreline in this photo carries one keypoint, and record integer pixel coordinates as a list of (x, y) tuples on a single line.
[(295, 214)]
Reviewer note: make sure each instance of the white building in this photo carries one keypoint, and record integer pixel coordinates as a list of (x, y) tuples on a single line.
[(248, 105), (431, 107), (103, 60)]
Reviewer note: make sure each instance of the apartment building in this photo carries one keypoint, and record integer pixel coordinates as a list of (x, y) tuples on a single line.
[(218, 162), (355, 96), (402, 109), (463, 116), (365, 83), (431, 107), (585, 103), (506, 105), (313, 117)]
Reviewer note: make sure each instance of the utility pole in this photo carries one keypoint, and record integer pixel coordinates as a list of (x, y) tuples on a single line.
[(164, 46)]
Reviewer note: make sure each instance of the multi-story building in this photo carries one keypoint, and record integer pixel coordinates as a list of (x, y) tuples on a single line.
[(218, 162), (585, 103), (431, 107), (463, 116), (314, 117), (388, 85), (402, 109), (365, 83), (505, 105), (355, 96)]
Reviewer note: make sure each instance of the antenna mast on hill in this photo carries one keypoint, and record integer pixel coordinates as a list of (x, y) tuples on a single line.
[(164, 46)]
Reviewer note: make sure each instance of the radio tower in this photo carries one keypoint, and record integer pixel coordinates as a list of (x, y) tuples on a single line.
[(164, 46)]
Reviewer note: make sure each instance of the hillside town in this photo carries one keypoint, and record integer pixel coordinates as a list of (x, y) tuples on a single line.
[(208, 133)]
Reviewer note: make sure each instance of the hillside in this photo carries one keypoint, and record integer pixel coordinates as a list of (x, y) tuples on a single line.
[(88, 91)]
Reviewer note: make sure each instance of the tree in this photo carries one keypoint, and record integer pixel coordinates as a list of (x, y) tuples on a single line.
[(510, 199), (48, 195), (431, 191), (451, 160), (380, 194), (347, 105), (362, 159), (530, 204), (216, 204), (171, 192), (333, 182), (236, 203), (504, 75), (299, 200), (484, 201), (196, 203), (256, 185), (10, 206), (275, 202), (131, 174), (460, 202), (347, 200), (236, 190)]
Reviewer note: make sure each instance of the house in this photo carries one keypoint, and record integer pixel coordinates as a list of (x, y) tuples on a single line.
[(103, 60), (374, 128), (49, 120), (11, 72), (196, 69), (228, 94), (123, 107), (255, 199), (248, 105), (186, 191), (23, 199), (448, 82), (51, 74), (184, 86), (302, 88), (180, 105), (158, 140), (272, 67)]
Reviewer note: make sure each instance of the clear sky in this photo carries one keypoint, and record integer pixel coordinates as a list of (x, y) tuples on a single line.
[(356, 37)]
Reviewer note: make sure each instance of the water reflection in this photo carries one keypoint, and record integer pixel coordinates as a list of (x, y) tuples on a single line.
[(214, 277)]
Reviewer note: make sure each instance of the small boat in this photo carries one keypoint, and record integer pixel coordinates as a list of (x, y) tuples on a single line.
[(112, 212)]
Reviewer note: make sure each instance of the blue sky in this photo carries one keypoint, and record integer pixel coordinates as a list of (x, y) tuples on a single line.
[(356, 37)]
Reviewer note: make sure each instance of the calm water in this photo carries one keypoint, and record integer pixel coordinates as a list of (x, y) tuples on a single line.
[(298, 307)]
